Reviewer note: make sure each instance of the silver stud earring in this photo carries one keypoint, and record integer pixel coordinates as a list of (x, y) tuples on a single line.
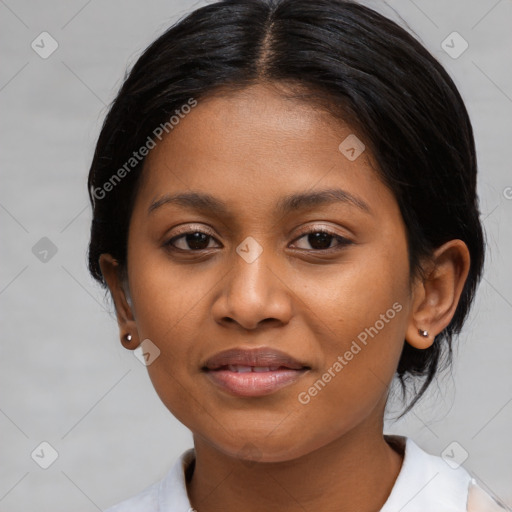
[(423, 333), (128, 337)]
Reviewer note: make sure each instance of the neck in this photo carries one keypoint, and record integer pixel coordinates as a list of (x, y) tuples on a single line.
[(355, 472)]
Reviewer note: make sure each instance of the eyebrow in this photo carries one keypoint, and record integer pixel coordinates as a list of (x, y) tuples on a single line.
[(298, 201)]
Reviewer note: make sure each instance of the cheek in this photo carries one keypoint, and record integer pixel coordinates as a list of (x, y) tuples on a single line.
[(361, 314), (361, 343), (359, 293), (168, 311), (165, 297)]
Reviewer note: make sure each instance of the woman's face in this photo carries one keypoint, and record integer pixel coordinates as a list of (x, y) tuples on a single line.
[(258, 275)]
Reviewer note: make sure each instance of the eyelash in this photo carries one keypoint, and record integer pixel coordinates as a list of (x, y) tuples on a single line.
[(342, 241)]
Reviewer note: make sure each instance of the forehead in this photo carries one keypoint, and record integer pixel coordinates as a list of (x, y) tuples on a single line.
[(253, 146)]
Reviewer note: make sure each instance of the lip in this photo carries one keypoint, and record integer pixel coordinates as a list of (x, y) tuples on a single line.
[(254, 372)]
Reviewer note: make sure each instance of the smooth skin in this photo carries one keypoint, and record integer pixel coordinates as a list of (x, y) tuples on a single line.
[(249, 149)]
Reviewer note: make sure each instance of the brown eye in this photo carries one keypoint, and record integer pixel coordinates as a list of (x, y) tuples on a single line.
[(191, 241), (318, 240), (321, 240)]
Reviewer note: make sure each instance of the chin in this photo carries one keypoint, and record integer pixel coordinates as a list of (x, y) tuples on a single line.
[(262, 448)]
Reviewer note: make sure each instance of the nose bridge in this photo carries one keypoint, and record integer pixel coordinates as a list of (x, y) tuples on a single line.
[(253, 291), (252, 266)]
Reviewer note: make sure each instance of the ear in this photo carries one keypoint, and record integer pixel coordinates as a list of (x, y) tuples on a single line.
[(118, 289), (437, 294)]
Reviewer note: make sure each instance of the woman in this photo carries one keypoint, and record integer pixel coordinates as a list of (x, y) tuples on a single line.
[(285, 214)]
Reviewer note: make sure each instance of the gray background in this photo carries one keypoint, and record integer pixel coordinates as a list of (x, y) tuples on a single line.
[(64, 377)]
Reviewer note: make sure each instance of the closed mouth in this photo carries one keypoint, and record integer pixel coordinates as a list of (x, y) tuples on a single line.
[(253, 373), (246, 369), (262, 359)]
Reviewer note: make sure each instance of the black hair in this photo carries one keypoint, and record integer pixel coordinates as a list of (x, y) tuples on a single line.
[(340, 56)]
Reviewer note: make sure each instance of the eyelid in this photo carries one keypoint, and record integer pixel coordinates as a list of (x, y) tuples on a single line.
[(323, 229), (184, 230), (187, 228), (342, 240), (319, 227)]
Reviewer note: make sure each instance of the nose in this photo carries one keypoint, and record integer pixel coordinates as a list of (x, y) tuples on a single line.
[(254, 293)]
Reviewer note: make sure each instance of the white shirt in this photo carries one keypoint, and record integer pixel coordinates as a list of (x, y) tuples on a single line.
[(426, 483)]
